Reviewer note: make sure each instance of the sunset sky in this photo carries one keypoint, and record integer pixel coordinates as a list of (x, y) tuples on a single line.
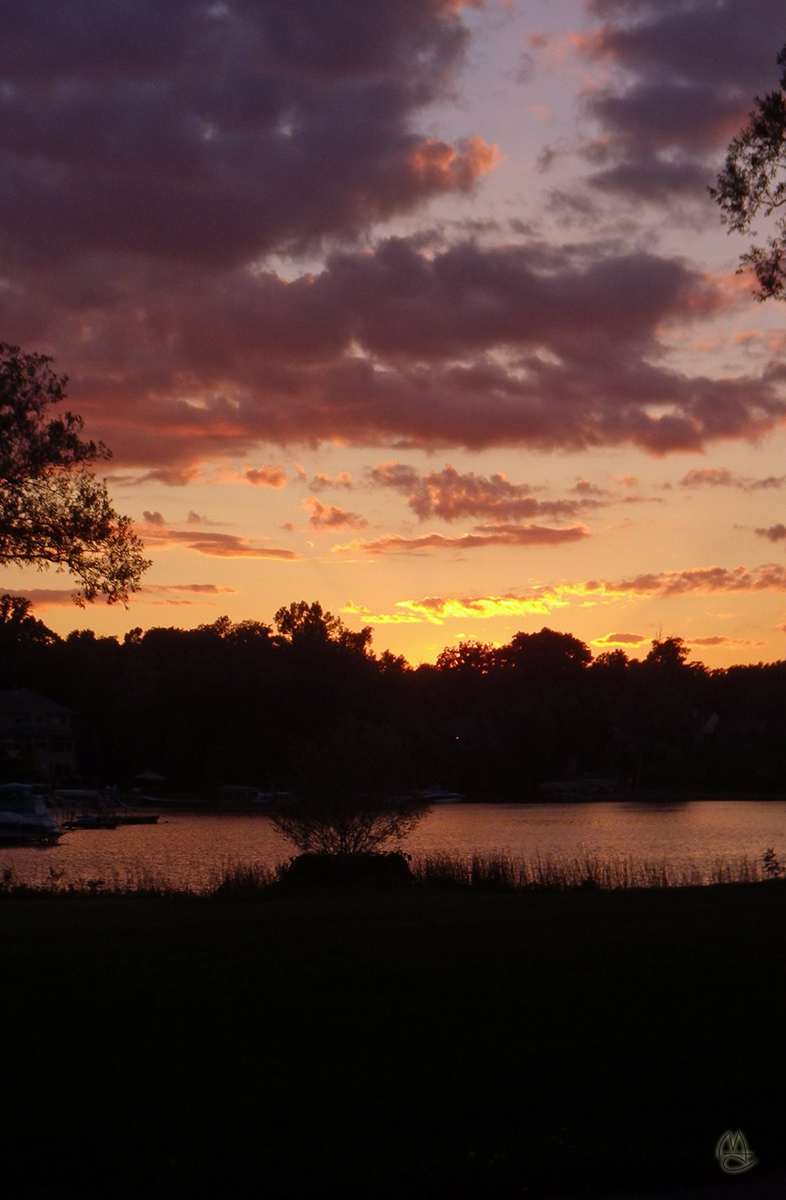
[(419, 308)]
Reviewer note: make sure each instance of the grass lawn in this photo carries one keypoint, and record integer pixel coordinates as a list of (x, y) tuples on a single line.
[(411, 1044)]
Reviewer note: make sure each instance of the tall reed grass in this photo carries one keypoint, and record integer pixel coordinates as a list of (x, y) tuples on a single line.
[(507, 872), (480, 872), (230, 879)]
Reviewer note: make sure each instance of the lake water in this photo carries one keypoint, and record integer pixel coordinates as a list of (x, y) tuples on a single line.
[(190, 850)]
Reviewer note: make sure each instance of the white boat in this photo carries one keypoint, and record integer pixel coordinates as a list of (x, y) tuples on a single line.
[(25, 819), (436, 795)]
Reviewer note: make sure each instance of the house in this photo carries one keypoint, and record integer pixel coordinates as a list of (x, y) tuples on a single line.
[(36, 738)]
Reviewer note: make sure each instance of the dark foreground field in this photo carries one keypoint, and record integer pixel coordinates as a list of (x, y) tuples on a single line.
[(417, 1044)]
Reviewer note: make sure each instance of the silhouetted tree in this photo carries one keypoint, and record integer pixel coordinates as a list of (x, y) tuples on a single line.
[(24, 643), (18, 625), (547, 655), (345, 799), (53, 510), (668, 654), (753, 180), (307, 623), (612, 660), (467, 656), (315, 712)]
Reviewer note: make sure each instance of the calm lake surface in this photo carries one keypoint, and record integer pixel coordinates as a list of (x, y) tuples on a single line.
[(190, 850)]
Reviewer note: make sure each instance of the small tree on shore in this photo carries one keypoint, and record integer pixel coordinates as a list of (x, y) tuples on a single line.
[(346, 797)]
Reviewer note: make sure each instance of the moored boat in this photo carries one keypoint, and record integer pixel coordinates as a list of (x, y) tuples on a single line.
[(85, 808), (25, 819), (437, 795)]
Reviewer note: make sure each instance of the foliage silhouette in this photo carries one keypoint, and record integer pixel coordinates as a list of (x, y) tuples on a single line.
[(53, 510), (753, 181), (241, 704), (346, 799)]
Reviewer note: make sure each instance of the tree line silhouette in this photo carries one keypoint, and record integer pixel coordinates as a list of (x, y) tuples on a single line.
[(247, 703)]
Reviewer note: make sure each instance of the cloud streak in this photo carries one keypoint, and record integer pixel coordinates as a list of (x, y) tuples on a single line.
[(161, 593), (215, 545), (721, 641), (542, 599), (713, 477), (769, 577), (484, 535), (621, 639)]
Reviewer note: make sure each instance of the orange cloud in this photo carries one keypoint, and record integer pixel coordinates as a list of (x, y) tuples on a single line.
[(322, 480), (775, 533), (170, 476), (722, 477), (485, 535), (360, 610), (195, 518), (769, 577), (542, 599), (436, 609), (621, 639), (720, 641), (200, 589), (160, 593), (45, 597), (452, 496), (216, 545), (270, 477), (440, 166), (329, 518)]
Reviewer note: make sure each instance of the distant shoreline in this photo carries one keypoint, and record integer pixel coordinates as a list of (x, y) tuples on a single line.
[(192, 806)]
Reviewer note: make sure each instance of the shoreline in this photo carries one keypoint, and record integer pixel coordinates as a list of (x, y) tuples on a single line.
[(193, 807)]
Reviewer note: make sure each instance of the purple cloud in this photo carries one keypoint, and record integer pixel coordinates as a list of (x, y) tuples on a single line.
[(683, 81)]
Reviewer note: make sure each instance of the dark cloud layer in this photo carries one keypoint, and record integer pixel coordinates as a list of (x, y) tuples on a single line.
[(516, 345), (212, 133), (151, 156), (686, 75)]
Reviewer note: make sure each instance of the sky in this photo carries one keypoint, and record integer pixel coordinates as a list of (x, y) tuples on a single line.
[(419, 309)]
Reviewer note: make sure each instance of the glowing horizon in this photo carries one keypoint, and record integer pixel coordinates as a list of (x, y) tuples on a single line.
[(466, 356)]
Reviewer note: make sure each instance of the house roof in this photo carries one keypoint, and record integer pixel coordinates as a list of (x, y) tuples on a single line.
[(24, 700)]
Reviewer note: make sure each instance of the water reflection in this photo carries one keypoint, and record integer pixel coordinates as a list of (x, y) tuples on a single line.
[(190, 850)]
